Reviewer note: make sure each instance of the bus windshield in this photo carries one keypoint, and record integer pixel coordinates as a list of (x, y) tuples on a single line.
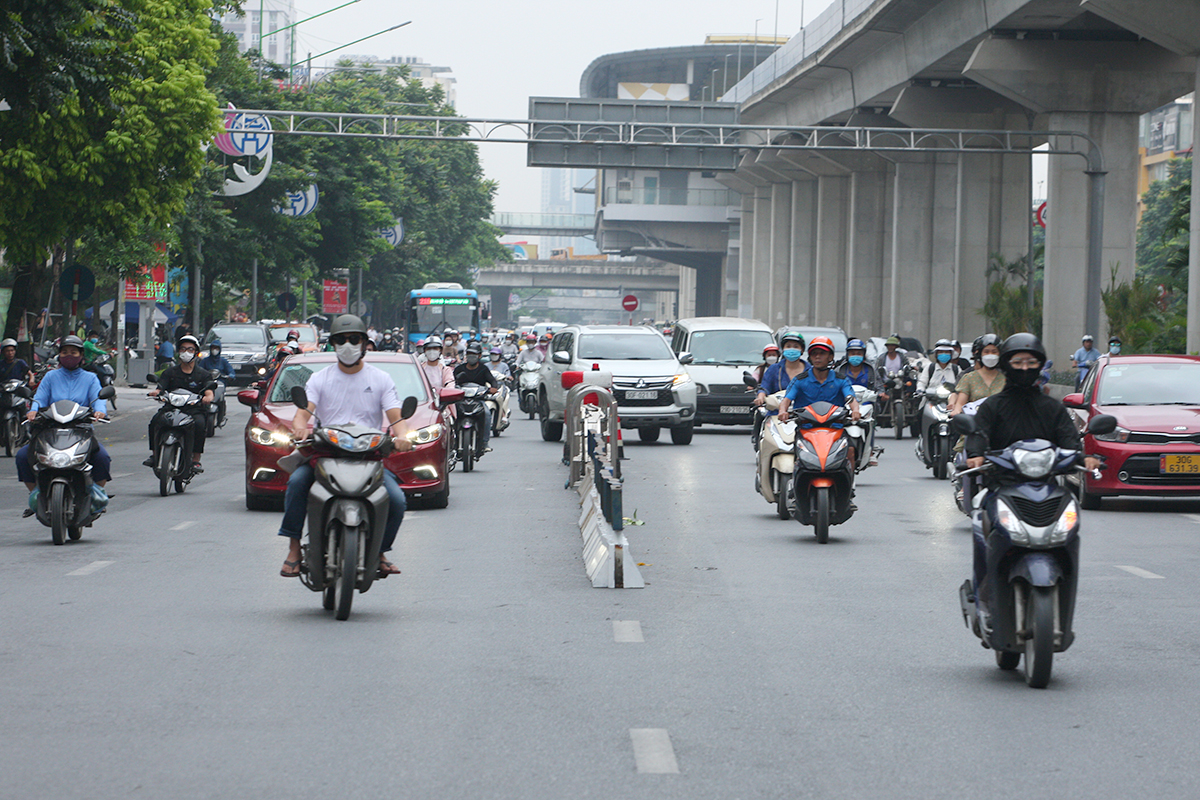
[(457, 312)]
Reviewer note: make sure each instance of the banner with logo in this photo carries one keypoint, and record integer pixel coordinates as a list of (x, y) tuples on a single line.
[(335, 297)]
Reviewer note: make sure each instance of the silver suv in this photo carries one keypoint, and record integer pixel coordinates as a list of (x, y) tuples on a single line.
[(652, 387)]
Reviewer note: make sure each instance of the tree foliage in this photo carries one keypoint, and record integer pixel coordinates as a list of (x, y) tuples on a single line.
[(1006, 306)]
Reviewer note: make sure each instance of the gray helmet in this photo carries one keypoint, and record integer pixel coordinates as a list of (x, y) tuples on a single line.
[(71, 341), (432, 341), (8, 343), (348, 323), (475, 348)]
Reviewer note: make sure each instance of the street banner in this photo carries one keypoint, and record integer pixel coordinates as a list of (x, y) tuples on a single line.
[(335, 297), (151, 283)]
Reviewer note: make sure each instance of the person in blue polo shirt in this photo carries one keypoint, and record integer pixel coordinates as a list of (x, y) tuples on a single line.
[(820, 384)]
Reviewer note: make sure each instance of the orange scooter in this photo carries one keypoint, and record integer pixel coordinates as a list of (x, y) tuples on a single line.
[(823, 482)]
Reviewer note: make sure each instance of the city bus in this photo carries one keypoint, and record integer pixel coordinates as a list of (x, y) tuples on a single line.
[(435, 307)]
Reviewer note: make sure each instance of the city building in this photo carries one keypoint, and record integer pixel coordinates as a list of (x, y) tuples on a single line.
[(419, 69), (1165, 133), (248, 28)]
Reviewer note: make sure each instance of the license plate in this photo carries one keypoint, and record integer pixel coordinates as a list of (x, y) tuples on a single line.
[(643, 394), (733, 409), (1179, 465)]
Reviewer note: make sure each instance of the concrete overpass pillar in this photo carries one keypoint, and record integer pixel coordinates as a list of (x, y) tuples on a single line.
[(832, 248), (860, 301), (1098, 88), (746, 259), (499, 306), (709, 294), (761, 266), (779, 264), (803, 252)]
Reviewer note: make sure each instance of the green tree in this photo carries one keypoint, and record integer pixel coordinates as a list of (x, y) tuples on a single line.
[(1006, 306)]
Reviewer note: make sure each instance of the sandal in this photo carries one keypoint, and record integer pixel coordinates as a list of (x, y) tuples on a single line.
[(387, 568), (291, 565)]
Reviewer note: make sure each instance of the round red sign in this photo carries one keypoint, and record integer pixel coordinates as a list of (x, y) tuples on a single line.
[(629, 303)]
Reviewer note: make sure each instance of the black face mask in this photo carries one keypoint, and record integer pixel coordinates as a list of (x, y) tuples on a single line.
[(472, 359), (1023, 378)]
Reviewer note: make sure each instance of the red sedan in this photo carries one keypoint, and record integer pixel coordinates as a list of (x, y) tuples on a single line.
[(1155, 449), (423, 471)]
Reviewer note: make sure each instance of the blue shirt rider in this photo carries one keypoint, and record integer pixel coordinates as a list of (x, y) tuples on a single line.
[(779, 376), (856, 368), (1084, 357), (819, 384), (216, 362)]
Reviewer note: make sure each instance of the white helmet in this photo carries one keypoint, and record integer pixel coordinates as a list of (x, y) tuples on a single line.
[(432, 341), (8, 343)]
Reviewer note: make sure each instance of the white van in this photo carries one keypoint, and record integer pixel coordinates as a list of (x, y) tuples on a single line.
[(542, 328), (722, 348)]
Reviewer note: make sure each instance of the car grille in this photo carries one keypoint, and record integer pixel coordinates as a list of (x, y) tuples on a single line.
[(1037, 514), (662, 387), (1163, 438), (1144, 469), (727, 388)]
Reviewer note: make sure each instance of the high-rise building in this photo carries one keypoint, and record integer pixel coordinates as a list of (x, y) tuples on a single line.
[(569, 191), (419, 69), (1165, 133), (250, 27)]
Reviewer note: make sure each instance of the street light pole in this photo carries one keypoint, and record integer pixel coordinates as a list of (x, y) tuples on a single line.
[(356, 41)]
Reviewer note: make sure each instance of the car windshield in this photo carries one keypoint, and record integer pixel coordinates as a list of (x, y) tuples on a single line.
[(728, 347), (306, 333), (405, 376), (623, 347), (1173, 383), (251, 335)]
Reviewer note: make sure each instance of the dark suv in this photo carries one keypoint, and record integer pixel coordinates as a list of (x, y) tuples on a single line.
[(247, 346)]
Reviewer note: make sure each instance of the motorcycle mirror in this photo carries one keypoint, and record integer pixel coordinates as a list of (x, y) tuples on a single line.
[(748, 379), (299, 397), (107, 393), (408, 407), (964, 424), (1104, 423), (151, 378)]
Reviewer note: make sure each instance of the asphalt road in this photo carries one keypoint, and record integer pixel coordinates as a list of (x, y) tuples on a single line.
[(162, 656)]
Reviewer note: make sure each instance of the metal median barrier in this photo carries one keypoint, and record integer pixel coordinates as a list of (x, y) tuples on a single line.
[(592, 435)]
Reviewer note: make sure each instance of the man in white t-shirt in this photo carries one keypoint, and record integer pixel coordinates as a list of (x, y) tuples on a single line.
[(350, 393)]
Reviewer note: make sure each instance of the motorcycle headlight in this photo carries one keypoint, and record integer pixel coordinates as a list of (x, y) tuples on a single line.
[(61, 459), (1034, 463), (779, 430), (1067, 521), (681, 378), (177, 399), (1118, 435), (425, 435), (269, 437), (1011, 523), (355, 444)]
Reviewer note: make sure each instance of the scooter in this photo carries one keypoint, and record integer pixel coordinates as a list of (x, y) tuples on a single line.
[(347, 506), (105, 372), (776, 459), (900, 408), (823, 482), (498, 404), (214, 416), (965, 487), (527, 387), (935, 443), (863, 431), (468, 423), (1029, 524), (62, 441), (14, 405), (176, 437)]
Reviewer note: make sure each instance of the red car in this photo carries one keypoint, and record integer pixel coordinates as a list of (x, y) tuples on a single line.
[(423, 471), (1155, 449)]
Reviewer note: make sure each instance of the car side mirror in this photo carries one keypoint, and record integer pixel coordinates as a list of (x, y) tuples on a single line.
[(448, 397), (1074, 400), (299, 397), (248, 397), (561, 357), (407, 408), (686, 358), (964, 424), (1102, 424), (108, 392)]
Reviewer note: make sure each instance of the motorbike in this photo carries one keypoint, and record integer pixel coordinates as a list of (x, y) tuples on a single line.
[(214, 416), (758, 414), (899, 412), (863, 431), (61, 443), (1030, 523), (964, 487), (104, 371), (935, 444), (176, 437), (14, 405), (347, 506), (823, 481), (468, 423), (527, 387), (498, 404), (776, 459)]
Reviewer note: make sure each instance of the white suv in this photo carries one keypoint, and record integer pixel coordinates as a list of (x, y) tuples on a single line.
[(652, 387)]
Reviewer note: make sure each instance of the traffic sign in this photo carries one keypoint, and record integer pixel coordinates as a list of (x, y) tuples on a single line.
[(1043, 215), (629, 302), (77, 282), (286, 301), (358, 308)]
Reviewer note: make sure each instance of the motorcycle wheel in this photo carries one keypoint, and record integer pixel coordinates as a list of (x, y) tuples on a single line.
[(180, 485), (939, 459), (58, 513), (12, 432), (166, 460), (898, 419), (210, 425), (1006, 660), (1039, 630), (467, 452), (781, 487), (347, 576), (821, 519)]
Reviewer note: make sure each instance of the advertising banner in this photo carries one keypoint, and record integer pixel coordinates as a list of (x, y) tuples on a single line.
[(335, 297)]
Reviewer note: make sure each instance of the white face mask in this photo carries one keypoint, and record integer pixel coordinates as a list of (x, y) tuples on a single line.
[(990, 360), (772, 359), (433, 355), (186, 356), (348, 354)]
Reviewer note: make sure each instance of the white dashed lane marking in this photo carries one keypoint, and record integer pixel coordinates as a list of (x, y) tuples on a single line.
[(653, 751), (1192, 517), (183, 525), (627, 631), (1142, 573), (90, 568)]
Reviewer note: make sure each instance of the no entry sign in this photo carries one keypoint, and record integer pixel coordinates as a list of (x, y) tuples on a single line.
[(629, 302)]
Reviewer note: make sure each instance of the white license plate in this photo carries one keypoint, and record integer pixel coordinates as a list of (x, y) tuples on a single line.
[(733, 409), (644, 394)]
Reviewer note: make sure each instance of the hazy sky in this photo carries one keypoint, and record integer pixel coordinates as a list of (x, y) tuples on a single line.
[(503, 53)]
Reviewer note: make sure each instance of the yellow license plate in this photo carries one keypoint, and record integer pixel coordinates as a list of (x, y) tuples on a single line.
[(1179, 465)]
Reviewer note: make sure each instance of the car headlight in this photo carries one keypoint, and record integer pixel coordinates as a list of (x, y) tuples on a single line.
[(1034, 463), (681, 378), (270, 438), (1118, 435), (1011, 523), (257, 359), (425, 435)]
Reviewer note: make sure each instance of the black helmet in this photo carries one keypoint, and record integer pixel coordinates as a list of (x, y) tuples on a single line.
[(1020, 343), (1114, 340), (348, 323), (475, 348), (982, 342)]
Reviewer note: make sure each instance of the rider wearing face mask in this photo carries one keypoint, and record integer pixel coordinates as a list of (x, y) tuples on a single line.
[(770, 355), (187, 374), (941, 370), (475, 371), (389, 343), (856, 369), (1114, 346), (781, 374), (440, 374)]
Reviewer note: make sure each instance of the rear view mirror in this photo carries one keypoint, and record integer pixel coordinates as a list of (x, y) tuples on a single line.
[(407, 408), (1102, 424), (108, 392), (964, 424), (299, 397), (151, 378), (449, 397), (749, 380), (1074, 400), (686, 358)]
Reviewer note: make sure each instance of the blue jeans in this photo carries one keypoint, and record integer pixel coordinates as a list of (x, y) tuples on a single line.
[(99, 460), (295, 505)]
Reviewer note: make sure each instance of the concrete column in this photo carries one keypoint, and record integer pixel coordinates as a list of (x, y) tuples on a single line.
[(830, 253), (500, 303), (710, 297), (1193, 311), (745, 304), (912, 250), (761, 268), (781, 255), (989, 223), (803, 253), (1064, 303), (860, 293)]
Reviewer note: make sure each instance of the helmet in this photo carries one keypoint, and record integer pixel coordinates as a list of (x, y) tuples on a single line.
[(510, 336), (823, 342), (8, 343), (1087, 337), (432, 341), (187, 338), (856, 344), (474, 348), (285, 350), (792, 335), (348, 323), (495, 351), (1021, 343), (293, 334), (546, 337), (893, 339), (982, 342), (451, 332), (531, 337), (1114, 340), (943, 344), (771, 348), (956, 343)]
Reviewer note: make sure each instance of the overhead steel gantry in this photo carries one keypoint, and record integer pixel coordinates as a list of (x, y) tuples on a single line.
[(703, 141)]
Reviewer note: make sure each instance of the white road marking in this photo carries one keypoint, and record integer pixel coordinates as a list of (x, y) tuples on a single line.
[(1193, 517), (116, 475), (627, 631), (90, 568), (1142, 573), (653, 751), (183, 525), (238, 498)]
